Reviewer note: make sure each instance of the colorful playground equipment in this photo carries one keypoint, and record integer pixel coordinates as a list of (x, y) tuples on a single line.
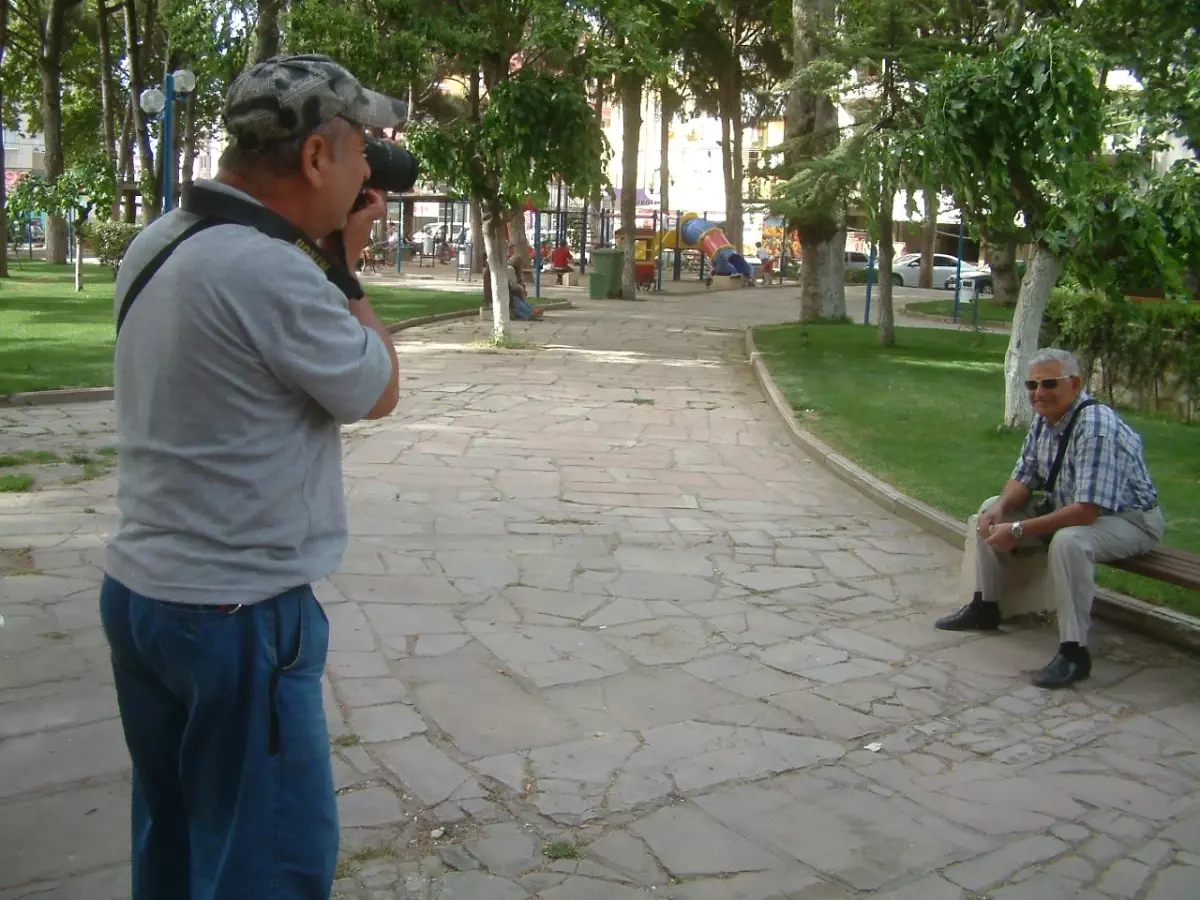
[(696, 233)]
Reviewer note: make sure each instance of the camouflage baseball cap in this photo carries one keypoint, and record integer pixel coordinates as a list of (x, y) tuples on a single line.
[(288, 96)]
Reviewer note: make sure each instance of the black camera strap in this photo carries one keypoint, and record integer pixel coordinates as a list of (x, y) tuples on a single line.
[(219, 208), (1052, 479)]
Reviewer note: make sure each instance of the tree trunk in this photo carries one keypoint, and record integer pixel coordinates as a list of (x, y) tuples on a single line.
[(518, 239), (497, 256), (1036, 288), (267, 29), (124, 167), (823, 279), (49, 67), (188, 167), (79, 254), (598, 107), (887, 252), (3, 188), (107, 93), (734, 224), (137, 55), (667, 108), (631, 115), (928, 237), (476, 206), (1005, 282), (477, 254), (811, 123)]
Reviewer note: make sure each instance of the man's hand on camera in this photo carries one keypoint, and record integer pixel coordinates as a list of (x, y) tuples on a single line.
[(357, 233)]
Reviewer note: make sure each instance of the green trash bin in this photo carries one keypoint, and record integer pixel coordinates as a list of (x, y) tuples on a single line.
[(605, 280)]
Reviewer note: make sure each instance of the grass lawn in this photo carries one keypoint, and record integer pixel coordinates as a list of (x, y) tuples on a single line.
[(923, 416), (52, 337), (989, 311)]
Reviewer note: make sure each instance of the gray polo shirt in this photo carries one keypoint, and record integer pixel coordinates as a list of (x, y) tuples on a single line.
[(233, 371)]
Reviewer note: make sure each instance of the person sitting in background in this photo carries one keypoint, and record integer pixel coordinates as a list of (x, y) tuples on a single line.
[(560, 261), (764, 261), (1099, 505), (518, 303)]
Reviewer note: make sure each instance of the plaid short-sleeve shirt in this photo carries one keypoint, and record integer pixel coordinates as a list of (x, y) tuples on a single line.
[(1104, 464)]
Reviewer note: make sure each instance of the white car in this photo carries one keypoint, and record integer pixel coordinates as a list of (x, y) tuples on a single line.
[(906, 270)]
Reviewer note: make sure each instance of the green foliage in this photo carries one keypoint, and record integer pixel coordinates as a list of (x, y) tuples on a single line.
[(1012, 132), (110, 240), (856, 276), (384, 42), (1159, 42), (1141, 346)]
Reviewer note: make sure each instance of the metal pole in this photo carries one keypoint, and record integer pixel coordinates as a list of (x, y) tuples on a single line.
[(583, 244), (958, 270), (537, 254), (783, 249), (703, 215), (400, 239), (658, 276), (168, 135), (678, 238), (870, 279)]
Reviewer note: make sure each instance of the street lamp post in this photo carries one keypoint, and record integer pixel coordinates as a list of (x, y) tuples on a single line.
[(179, 84)]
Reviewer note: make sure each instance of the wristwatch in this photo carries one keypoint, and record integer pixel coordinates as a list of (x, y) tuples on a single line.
[(1017, 530)]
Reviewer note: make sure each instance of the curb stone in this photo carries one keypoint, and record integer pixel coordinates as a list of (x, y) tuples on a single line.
[(991, 327), (93, 395), (1167, 625)]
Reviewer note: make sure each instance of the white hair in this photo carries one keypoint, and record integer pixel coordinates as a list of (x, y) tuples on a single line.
[(1068, 364)]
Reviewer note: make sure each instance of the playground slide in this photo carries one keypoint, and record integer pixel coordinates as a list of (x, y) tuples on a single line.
[(700, 234)]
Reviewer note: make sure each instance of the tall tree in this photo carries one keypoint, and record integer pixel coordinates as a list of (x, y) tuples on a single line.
[(3, 180), (267, 29), (139, 43), (733, 63), (1014, 134), (633, 48), (107, 89), (43, 31), (535, 123), (812, 134)]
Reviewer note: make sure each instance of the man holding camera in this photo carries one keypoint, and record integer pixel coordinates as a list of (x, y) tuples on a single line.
[(243, 355), (1097, 504)]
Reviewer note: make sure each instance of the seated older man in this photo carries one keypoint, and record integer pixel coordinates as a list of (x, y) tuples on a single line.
[(1099, 505)]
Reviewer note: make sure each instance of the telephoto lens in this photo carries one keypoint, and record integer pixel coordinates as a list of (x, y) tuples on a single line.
[(393, 169)]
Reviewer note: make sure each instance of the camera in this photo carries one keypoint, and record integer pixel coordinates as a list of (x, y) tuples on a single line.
[(393, 169)]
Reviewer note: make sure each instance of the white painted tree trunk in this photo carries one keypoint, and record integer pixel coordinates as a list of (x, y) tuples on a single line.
[(78, 259), (1036, 288), (497, 264)]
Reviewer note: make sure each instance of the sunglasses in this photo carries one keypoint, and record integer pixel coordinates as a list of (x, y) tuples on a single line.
[(1048, 383)]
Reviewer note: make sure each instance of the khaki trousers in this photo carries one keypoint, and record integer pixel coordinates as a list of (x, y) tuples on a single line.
[(1071, 559)]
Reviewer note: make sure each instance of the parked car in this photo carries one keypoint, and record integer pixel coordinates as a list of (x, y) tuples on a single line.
[(906, 270), (973, 281), (856, 260)]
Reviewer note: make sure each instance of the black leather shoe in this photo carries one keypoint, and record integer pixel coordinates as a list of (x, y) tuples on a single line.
[(1063, 672), (975, 616)]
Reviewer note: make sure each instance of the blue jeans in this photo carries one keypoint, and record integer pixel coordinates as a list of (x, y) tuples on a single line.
[(520, 308), (232, 781)]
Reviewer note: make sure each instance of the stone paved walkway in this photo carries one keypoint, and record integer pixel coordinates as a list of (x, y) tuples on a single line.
[(602, 634)]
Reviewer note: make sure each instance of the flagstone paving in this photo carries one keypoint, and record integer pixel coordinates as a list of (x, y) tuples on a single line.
[(602, 632)]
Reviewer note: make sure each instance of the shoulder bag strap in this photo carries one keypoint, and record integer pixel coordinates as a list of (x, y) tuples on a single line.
[(1062, 445), (144, 276), (217, 208)]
